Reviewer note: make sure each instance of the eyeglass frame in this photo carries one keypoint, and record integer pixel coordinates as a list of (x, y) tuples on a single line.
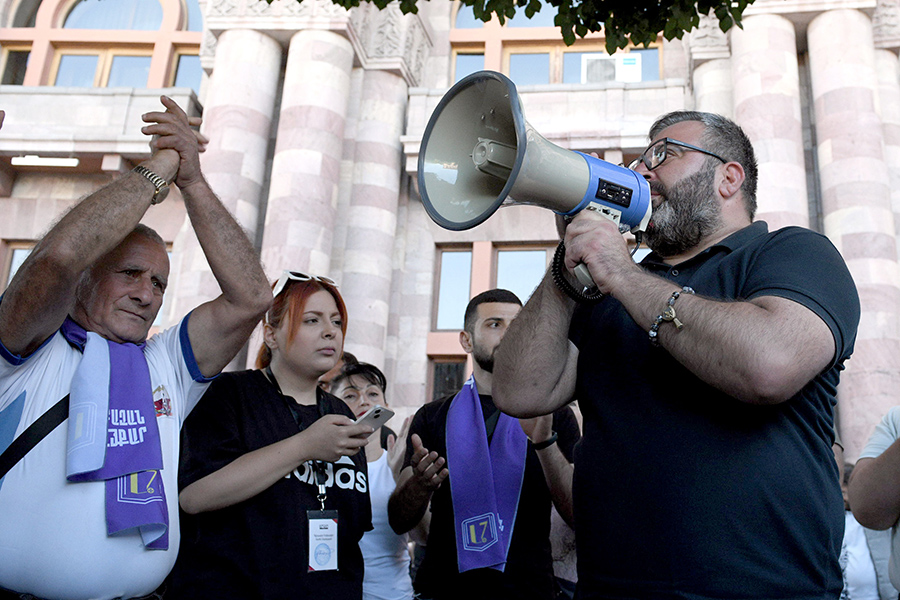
[(288, 276), (666, 141)]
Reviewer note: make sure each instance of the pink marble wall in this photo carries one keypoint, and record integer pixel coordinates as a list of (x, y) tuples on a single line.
[(858, 216), (306, 167), (767, 106)]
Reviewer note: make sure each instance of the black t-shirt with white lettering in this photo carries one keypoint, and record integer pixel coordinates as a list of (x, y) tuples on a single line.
[(257, 549)]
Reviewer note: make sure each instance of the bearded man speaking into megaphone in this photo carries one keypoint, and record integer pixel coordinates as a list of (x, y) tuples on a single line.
[(706, 375)]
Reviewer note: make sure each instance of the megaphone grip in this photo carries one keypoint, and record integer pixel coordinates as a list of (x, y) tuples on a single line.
[(557, 270)]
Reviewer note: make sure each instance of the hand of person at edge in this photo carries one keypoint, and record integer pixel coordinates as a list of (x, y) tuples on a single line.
[(396, 448), (594, 240), (334, 436), (428, 467)]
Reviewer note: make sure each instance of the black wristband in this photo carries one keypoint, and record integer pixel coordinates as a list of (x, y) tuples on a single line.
[(546, 443)]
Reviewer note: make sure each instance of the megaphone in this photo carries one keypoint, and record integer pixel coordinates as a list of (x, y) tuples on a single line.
[(478, 152)]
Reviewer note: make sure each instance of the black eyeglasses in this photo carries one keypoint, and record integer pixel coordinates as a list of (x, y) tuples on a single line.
[(657, 153)]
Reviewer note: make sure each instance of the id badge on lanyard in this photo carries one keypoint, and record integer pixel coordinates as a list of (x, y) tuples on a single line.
[(323, 524), (323, 529)]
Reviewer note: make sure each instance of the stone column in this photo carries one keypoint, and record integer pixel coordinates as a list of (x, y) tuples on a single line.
[(372, 218), (711, 73), (858, 217), (767, 107), (306, 166), (240, 105), (713, 87), (411, 323), (888, 72)]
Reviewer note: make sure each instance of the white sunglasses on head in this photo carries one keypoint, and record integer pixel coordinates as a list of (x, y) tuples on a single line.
[(288, 276)]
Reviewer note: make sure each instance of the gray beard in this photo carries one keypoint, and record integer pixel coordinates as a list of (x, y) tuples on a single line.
[(688, 213)]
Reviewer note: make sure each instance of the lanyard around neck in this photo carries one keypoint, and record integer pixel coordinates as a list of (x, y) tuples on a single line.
[(318, 465)]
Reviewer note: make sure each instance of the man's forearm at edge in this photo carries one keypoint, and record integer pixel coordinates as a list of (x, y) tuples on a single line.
[(534, 368), (219, 328), (407, 504), (558, 475)]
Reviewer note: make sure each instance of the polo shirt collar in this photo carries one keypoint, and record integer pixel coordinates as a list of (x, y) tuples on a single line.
[(731, 243)]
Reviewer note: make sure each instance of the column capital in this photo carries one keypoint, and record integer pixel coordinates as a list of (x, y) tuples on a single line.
[(386, 39), (383, 39), (886, 24), (708, 41)]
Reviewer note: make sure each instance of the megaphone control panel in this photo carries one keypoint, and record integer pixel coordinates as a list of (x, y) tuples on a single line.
[(610, 192)]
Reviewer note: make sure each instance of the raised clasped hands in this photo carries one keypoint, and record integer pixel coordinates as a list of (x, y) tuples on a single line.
[(175, 144), (334, 436), (428, 467), (594, 240)]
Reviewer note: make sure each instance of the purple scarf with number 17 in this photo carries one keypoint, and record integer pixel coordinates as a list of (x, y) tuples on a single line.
[(485, 481), (113, 435)]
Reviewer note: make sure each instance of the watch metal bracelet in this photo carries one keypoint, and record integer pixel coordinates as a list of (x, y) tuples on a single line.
[(162, 187)]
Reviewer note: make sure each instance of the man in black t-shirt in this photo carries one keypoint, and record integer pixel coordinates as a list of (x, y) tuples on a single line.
[(707, 377), (524, 474)]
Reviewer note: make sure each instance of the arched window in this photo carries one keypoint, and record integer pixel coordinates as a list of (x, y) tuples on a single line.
[(142, 15), (119, 46)]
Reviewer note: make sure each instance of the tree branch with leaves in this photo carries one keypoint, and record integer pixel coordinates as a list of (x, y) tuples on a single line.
[(623, 22)]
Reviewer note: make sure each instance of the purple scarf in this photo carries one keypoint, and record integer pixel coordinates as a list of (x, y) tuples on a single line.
[(113, 434), (485, 483)]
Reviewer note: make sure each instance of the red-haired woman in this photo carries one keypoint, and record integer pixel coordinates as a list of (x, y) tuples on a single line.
[(268, 458)]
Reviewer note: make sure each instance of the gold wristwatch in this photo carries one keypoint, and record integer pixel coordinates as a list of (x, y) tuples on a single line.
[(162, 188)]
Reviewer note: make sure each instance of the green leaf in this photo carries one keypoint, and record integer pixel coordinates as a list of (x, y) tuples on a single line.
[(624, 22)]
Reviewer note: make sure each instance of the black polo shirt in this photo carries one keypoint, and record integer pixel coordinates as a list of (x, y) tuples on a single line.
[(684, 492)]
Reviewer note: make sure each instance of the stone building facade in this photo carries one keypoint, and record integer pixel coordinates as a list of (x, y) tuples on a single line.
[(316, 115)]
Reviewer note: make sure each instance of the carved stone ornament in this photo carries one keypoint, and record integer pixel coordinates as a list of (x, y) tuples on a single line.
[(283, 15), (383, 39), (208, 51), (707, 41), (708, 33), (388, 39), (886, 24)]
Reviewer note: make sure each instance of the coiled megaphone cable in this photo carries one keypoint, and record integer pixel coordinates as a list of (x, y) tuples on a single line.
[(587, 295), (557, 269)]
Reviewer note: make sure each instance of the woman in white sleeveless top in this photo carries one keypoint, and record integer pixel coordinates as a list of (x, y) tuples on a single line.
[(386, 554)]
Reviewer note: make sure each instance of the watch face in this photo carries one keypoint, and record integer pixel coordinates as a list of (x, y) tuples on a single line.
[(160, 195)]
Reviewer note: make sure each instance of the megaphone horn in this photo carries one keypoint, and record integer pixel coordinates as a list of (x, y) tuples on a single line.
[(478, 152)]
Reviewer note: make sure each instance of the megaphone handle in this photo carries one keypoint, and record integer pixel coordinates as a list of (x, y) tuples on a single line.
[(584, 276), (590, 294)]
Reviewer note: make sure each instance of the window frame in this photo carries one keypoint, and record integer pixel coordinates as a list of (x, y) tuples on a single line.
[(48, 38), (176, 57), (9, 49), (105, 56), (497, 42), (439, 267), (9, 248)]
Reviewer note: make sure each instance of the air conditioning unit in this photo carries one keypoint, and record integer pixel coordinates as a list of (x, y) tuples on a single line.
[(599, 67)]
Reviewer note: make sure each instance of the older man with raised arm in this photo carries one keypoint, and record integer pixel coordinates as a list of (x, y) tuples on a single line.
[(707, 378), (91, 511)]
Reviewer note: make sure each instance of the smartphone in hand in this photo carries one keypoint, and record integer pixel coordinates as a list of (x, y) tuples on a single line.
[(375, 417)]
